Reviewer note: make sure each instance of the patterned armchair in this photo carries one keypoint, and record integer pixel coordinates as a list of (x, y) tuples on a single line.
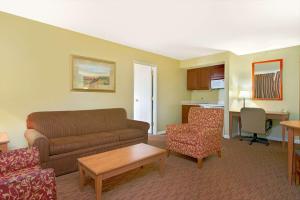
[(200, 137), (22, 178)]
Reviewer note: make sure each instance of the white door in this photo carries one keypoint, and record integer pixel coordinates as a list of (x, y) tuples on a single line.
[(143, 94)]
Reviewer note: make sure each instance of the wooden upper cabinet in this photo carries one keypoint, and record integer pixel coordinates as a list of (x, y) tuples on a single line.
[(192, 79), (199, 78), (217, 72), (204, 78)]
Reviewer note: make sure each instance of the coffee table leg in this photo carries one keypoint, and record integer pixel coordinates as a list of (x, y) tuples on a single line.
[(98, 187), (162, 166), (82, 177)]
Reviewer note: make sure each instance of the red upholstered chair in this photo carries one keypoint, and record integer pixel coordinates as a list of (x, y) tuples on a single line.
[(21, 177), (200, 137)]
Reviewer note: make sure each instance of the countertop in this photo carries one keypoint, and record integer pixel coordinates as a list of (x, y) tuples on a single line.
[(204, 104)]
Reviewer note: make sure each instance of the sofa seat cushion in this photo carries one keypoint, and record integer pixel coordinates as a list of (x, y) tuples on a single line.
[(72, 143), (129, 133)]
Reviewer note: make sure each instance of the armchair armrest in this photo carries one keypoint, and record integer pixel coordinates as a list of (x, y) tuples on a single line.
[(35, 138), (35, 184), (138, 124), (177, 129), (208, 136), (18, 159)]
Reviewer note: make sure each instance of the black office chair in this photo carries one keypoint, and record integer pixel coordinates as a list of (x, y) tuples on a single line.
[(254, 120)]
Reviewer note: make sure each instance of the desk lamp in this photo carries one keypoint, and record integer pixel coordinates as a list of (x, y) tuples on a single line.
[(244, 94)]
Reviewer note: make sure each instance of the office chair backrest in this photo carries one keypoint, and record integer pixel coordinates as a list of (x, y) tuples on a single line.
[(253, 120)]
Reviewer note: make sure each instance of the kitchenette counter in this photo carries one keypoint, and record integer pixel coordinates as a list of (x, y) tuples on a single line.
[(186, 105), (203, 104)]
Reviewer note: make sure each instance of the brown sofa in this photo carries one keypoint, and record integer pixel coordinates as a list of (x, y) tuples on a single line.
[(63, 136)]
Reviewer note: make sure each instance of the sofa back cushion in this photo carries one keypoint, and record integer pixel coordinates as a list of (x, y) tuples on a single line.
[(55, 124)]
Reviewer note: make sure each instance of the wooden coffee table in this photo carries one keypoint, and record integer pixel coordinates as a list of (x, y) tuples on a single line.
[(111, 163)]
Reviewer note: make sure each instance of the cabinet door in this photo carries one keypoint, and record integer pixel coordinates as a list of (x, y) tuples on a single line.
[(192, 79), (217, 72), (204, 78)]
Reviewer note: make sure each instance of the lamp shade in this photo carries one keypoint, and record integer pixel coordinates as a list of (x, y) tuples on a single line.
[(244, 94)]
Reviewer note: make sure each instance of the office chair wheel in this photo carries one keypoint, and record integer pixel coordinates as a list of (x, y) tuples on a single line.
[(267, 144), (250, 143)]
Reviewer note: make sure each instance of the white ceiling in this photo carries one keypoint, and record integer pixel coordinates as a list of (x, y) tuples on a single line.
[(180, 29)]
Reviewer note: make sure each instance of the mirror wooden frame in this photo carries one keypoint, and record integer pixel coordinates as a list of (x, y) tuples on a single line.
[(253, 83)]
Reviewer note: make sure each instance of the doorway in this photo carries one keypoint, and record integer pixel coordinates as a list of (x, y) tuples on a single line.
[(145, 95)]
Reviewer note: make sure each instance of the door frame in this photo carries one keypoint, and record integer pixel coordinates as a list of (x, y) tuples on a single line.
[(154, 94)]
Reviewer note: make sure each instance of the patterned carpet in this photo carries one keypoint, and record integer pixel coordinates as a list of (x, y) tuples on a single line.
[(244, 172)]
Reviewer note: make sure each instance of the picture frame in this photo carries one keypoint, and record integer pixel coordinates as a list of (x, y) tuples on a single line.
[(93, 75)]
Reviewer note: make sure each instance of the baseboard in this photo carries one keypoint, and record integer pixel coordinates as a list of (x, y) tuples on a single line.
[(160, 132), (274, 138), (164, 132), (279, 139), (226, 136)]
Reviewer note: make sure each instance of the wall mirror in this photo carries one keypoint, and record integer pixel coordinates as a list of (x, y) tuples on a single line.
[(267, 80)]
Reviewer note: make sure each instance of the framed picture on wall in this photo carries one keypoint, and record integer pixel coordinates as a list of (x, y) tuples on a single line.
[(93, 75)]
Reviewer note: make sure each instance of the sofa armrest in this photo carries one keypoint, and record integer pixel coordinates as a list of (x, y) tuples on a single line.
[(138, 124), (22, 184), (35, 138)]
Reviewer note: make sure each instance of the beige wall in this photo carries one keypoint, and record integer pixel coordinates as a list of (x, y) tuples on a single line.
[(36, 75), (221, 58), (208, 96), (238, 77)]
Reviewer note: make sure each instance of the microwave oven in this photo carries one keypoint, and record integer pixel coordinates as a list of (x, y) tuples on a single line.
[(217, 84)]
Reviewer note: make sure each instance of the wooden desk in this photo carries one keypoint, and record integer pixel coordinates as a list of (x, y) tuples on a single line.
[(293, 130), (3, 142), (281, 116)]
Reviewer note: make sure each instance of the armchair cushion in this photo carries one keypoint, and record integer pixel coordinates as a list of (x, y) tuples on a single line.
[(18, 159), (193, 135)]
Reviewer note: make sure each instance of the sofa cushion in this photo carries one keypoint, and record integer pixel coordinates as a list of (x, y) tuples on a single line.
[(72, 143), (54, 124), (129, 133)]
